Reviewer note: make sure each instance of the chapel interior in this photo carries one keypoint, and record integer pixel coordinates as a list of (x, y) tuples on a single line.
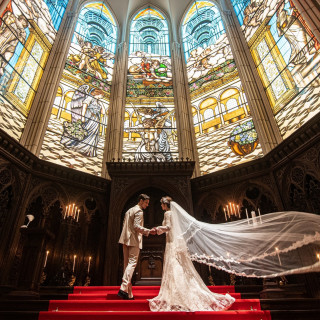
[(215, 103)]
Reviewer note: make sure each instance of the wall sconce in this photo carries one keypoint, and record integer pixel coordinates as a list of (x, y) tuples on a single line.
[(30, 218)]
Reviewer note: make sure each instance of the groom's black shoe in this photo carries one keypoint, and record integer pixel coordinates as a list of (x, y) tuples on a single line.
[(122, 294)]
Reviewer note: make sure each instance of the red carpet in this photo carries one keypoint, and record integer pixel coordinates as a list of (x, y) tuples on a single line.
[(93, 303)]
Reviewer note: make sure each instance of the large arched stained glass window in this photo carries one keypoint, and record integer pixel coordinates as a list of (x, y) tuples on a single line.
[(75, 136), (27, 32), (225, 133), (150, 126), (286, 54)]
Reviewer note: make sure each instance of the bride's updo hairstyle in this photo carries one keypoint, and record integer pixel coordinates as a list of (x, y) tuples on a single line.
[(166, 200)]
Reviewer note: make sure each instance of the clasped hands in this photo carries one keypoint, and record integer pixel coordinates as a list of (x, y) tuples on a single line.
[(153, 231)]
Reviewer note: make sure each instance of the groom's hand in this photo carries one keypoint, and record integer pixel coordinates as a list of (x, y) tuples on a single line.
[(153, 231)]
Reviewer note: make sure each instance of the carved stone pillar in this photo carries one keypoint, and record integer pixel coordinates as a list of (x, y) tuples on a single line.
[(39, 115), (114, 135), (310, 14), (3, 5), (265, 124), (185, 127)]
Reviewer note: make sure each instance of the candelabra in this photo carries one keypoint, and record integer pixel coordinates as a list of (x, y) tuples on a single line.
[(72, 213), (231, 210)]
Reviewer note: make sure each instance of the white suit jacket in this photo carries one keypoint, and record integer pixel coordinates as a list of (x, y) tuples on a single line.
[(133, 229)]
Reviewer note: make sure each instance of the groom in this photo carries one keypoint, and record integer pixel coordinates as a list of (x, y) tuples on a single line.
[(131, 239)]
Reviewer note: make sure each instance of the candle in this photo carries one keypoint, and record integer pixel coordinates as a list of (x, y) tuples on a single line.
[(71, 214), (78, 215), (277, 251), (238, 211), (254, 219), (68, 210), (234, 208), (65, 213), (230, 208), (228, 211), (89, 264), (259, 215), (74, 262), (45, 260), (225, 215), (247, 216), (318, 256)]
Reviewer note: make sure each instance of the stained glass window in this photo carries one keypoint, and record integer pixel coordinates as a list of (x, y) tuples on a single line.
[(150, 126), (285, 52), (76, 132), (27, 32), (216, 92)]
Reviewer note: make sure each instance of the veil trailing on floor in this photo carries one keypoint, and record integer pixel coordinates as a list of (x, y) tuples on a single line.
[(275, 244)]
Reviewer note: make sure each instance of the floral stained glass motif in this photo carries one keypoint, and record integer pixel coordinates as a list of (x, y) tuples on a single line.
[(76, 132), (150, 129), (244, 138)]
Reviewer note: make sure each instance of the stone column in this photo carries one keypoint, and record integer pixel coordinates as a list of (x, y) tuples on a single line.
[(265, 124), (114, 135), (185, 127), (310, 14), (40, 111), (3, 5)]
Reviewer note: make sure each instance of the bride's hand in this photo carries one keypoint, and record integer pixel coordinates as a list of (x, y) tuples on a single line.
[(153, 231)]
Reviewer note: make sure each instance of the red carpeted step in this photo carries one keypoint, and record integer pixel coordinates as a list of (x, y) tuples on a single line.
[(113, 296), (136, 305), (98, 303), (146, 315), (93, 289)]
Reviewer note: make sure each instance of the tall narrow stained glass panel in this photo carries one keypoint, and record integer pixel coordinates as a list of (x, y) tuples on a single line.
[(225, 132), (76, 132), (150, 125)]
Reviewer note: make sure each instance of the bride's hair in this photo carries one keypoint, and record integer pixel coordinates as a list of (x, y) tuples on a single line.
[(166, 200)]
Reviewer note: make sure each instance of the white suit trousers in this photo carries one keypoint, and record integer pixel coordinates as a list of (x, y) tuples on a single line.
[(130, 259)]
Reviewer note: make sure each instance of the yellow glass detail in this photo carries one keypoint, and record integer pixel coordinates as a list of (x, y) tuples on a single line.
[(280, 88), (29, 67)]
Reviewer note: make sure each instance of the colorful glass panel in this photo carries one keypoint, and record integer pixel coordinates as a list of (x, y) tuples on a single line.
[(150, 126), (27, 32), (291, 53), (76, 132), (216, 92)]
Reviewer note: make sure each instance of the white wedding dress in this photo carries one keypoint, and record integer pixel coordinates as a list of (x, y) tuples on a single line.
[(182, 288)]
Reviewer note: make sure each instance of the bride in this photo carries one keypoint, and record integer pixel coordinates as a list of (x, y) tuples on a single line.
[(276, 244), (182, 288)]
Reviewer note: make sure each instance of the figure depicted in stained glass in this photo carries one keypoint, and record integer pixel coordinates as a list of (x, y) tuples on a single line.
[(155, 129), (149, 67), (92, 59), (12, 30), (37, 11), (251, 12), (82, 133), (302, 46)]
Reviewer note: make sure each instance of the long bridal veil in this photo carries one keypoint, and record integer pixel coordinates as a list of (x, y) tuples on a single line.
[(272, 245)]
